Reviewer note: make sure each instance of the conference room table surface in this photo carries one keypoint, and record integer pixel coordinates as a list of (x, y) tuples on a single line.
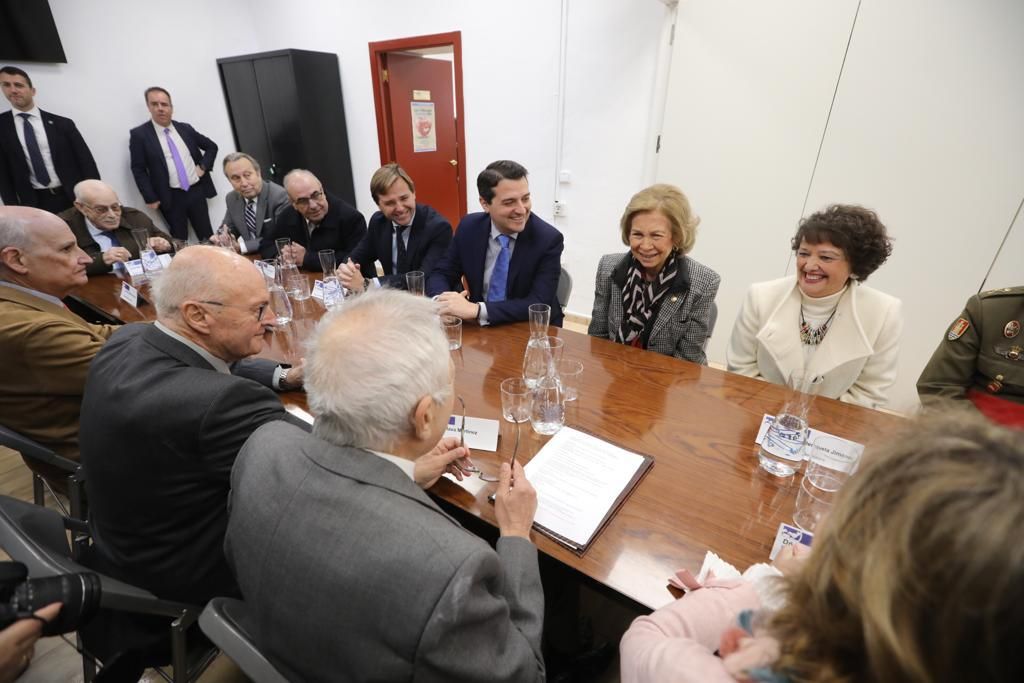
[(705, 490)]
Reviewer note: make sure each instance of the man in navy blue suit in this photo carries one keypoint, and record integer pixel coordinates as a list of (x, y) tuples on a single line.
[(403, 236), (171, 162), (509, 256), (42, 155)]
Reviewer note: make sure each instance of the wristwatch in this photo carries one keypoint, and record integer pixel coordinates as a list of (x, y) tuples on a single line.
[(282, 379)]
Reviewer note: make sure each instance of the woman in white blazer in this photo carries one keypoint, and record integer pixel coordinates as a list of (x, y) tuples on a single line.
[(824, 320)]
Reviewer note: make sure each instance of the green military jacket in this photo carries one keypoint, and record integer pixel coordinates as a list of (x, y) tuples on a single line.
[(983, 349)]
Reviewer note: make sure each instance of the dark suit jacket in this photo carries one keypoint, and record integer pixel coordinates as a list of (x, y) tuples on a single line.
[(71, 159), (353, 573), (131, 219), (532, 273), (428, 238), (150, 167), (340, 230), (272, 202), (159, 432)]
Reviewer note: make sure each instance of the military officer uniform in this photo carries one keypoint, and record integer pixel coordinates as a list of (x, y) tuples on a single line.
[(981, 360)]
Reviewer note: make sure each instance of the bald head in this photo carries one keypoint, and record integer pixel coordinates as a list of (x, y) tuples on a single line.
[(39, 251), (98, 202), (306, 193), (217, 299)]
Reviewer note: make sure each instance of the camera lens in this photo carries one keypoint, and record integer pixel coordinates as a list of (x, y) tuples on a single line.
[(79, 593)]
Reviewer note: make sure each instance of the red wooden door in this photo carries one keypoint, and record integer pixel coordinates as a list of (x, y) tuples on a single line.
[(422, 112)]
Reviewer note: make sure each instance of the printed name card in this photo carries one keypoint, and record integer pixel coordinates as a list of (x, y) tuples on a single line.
[(318, 290), (267, 269), (165, 260), (150, 261), (789, 535), (130, 295), (333, 293), (481, 433), (851, 448), (135, 268)]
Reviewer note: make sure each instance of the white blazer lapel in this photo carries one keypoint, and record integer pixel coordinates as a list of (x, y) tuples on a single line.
[(783, 344), (845, 340)]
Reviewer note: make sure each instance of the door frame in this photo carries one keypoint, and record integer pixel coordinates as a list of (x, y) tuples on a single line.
[(378, 51)]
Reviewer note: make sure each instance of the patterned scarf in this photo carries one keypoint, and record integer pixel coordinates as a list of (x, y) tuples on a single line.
[(639, 298)]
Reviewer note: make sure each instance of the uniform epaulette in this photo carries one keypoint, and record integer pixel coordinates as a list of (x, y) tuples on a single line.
[(1004, 291)]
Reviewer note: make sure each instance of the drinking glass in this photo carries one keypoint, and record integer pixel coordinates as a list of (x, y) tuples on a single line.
[(281, 243), (280, 304), (334, 293), (540, 318), (547, 406), (327, 261), (515, 400), (569, 372), (453, 331), (292, 280), (539, 360), (782, 449), (831, 462), (141, 237), (414, 281)]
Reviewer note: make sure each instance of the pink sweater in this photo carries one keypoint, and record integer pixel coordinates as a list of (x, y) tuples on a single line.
[(677, 643)]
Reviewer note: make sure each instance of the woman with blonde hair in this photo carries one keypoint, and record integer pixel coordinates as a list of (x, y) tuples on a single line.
[(654, 296), (917, 575)]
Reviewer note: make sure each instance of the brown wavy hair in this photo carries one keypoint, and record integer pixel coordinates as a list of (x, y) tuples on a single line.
[(918, 574), (855, 230)]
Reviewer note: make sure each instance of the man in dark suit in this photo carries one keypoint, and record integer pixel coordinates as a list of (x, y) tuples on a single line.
[(253, 207), (103, 227), (167, 407), (315, 222), (509, 256), (171, 162), (42, 155), (403, 236), (351, 571)]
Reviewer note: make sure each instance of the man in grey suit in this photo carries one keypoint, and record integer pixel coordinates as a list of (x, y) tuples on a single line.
[(351, 571), (252, 208)]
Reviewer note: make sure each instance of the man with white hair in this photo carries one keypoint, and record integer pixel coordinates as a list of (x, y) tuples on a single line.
[(103, 227), (349, 568), (46, 349), (315, 222), (166, 408)]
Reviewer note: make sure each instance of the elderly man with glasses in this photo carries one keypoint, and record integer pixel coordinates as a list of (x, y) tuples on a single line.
[(167, 406), (103, 227), (317, 221)]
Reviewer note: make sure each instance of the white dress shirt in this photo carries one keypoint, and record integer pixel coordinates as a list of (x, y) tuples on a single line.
[(35, 118), (101, 237), (186, 156)]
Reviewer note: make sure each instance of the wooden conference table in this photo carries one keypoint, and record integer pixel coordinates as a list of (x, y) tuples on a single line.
[(705, 491)]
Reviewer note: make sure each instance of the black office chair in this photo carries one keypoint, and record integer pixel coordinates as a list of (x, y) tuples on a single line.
[(42, 455), (564, 288), (36, 536), (223, 622)]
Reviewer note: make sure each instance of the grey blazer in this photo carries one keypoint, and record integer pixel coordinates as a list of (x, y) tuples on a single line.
[(272, 201), (682, 325), (353, 573)]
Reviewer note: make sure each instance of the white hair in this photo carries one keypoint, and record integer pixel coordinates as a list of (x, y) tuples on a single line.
[(370, 363), (14, 232), (185, 279), (295, 173)]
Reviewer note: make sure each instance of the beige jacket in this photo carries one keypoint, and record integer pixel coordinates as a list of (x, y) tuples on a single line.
[(857, 357)]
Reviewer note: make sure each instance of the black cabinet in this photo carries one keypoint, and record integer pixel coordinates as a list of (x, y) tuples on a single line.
[(286, 110)]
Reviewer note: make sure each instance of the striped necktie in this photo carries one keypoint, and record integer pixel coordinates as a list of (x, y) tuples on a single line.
[(250, 217)]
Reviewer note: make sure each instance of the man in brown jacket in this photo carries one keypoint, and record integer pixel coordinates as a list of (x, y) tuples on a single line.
[(46, 349)]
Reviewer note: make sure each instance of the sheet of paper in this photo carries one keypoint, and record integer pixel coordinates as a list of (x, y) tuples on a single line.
[(299, 413), (578, 477)]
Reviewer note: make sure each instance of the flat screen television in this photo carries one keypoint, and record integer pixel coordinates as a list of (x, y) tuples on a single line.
[(28, 33)]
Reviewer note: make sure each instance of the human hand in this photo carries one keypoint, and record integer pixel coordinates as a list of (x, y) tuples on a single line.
[(296, 375), (791, 559), (222, 238), (456, 303), (515, 502), (17, 642), (350, 275), (153, 205), (116, 255), (446, 456), (295, 253), (200, 171), (159, 244)]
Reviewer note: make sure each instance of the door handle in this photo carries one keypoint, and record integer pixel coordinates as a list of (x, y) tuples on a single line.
[(453, 162)]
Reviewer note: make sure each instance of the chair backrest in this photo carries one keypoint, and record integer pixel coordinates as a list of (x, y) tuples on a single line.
[(35, 451), (49, 462), (35, 536), (223, 622), (564, 288)]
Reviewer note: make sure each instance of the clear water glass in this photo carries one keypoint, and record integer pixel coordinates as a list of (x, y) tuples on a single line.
[(540, 359), (547, 406), (280, 304), (540, 318), (415, 282), (327, 261), (452, 325), (515, 400), (569, 372), (334, 293), (831, 461), (782, 449)]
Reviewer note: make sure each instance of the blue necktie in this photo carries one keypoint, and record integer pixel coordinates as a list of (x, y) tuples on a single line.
[(34, 155), (114, 242), (499, 276)]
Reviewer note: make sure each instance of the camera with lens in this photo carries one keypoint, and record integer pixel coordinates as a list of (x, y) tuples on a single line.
[(21, 596)]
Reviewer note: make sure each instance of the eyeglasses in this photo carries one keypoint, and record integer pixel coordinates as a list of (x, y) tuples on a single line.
[(113, 208), (259, 311), (462, 443), (317, 197)]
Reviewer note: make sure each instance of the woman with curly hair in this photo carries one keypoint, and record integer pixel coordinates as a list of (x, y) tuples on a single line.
[(824, 321), (914, 577)]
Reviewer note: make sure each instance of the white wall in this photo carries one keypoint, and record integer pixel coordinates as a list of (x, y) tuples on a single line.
[(116, 51), (925, 129)]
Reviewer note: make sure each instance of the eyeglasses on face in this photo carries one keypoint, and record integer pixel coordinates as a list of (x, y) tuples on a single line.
[(113, 208), (317, 197), (258, 312)]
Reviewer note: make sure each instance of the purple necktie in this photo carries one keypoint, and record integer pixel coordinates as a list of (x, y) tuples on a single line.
[(178, 165)]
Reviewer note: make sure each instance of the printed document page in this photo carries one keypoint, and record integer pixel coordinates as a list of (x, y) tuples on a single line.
[(578, 478)]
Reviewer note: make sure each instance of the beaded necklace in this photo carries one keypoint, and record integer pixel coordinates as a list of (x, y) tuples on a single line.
[(812, 336)]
